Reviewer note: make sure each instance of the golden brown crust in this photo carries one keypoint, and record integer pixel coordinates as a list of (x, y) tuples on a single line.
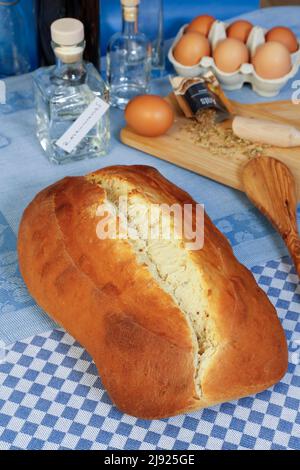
[(138, 337)]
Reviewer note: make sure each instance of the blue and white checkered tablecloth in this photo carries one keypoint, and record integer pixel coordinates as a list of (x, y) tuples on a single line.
[(52, 398)]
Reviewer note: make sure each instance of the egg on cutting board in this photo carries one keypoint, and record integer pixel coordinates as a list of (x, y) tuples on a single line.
[(230, 54), (201, 24), (190, 49), (285, 36), (149, 115), (239, 30), (272, 60)]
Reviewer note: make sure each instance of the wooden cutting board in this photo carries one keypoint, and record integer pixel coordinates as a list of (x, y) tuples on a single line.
[(178, 147)]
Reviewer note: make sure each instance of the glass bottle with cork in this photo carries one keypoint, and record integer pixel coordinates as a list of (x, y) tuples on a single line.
[(64, 91), (128, 58)]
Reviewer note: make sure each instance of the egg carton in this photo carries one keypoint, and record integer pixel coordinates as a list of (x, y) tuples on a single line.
[(246, 73)]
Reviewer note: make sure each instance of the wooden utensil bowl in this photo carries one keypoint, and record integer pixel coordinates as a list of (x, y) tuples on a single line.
[(270, 185)]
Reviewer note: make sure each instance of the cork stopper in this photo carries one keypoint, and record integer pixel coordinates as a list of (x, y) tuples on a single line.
[(67, 32), (130, 9), (130, 3)]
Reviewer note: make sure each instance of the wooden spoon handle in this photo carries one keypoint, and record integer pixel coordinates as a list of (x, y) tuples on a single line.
[(293, 243), (267, 132)]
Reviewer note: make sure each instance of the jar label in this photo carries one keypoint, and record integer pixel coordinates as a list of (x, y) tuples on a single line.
[(83, 124)]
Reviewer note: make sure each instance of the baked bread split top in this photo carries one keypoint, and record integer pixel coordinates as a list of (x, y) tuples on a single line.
[(171, 329)]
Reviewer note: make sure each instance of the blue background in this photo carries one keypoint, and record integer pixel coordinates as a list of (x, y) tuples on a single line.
[(176, 12)]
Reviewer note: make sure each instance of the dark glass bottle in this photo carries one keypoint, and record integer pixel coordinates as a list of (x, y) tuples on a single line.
[(88, 12)]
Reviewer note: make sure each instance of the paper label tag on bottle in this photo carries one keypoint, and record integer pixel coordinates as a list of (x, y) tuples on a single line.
[(83, 124)]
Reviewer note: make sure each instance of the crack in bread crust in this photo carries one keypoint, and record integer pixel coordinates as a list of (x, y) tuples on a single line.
[(168, 261), (140, 338)]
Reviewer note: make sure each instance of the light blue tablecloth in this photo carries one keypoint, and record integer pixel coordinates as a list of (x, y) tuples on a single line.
[(24, 171)]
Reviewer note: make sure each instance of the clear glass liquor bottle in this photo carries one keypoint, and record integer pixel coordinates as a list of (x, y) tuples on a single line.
[(64, 91), (128, 58)]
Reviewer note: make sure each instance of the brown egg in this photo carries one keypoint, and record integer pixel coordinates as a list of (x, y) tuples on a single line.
[(149, 115), (191, 48), (230, 54), (272, 60), (285, 36), (201, 24), (239, 30)]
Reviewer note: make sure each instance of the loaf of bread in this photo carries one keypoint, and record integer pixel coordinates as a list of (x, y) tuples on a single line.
[(170, 329)]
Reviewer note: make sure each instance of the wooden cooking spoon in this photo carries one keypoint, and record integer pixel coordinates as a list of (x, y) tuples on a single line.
[(270, 185)]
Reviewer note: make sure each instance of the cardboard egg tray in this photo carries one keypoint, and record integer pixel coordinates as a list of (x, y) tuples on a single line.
[(246, 73)]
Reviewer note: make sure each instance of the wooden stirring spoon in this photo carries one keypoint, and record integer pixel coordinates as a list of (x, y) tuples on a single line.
[(270, 185)]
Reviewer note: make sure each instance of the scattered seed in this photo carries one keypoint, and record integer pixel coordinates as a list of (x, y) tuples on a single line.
[(204, 131)]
